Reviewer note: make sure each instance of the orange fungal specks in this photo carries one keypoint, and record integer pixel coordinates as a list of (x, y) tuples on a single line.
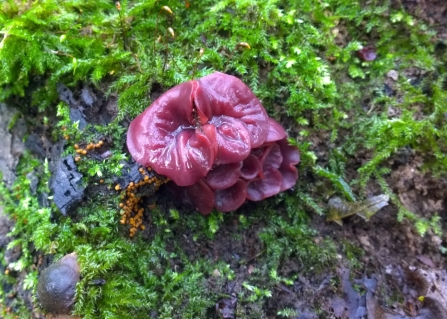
[(131, 207)]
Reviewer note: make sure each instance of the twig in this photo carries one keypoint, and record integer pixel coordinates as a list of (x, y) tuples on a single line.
[(155, 32), (202, 50), (243, 262), (123, 30), (167, 51), (111, 42), (60, 53), (138, 62), (164, 8)]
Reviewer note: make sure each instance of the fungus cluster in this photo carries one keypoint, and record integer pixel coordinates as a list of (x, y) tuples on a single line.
[(131, 206), (213, 138), (83, 151)]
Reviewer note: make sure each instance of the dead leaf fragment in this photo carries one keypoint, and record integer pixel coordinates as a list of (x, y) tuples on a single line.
[(393, 74), (339, 209), (226, 308), (372, 205)]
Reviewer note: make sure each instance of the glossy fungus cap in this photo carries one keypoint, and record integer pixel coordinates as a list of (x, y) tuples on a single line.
[(197, 124), (212, 137)]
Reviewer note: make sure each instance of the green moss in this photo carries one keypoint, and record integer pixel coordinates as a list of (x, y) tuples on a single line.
[(353, 254)]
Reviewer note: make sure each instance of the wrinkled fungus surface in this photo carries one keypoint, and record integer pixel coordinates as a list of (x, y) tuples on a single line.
[(213, 138)]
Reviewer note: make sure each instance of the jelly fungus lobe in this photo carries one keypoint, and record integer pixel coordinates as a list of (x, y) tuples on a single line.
[(214, 140)]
